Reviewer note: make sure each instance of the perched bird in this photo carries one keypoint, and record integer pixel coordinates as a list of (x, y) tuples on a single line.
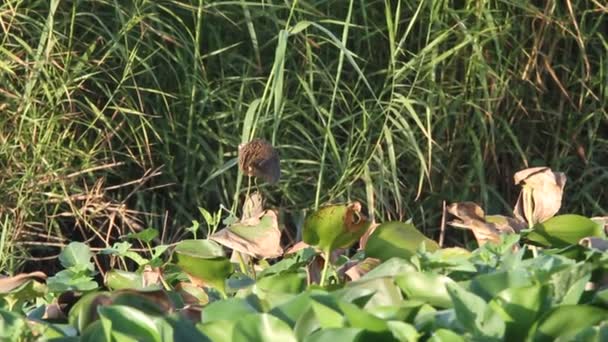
[(258, 158)]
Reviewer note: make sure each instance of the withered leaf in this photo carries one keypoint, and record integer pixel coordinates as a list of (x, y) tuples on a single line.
[(471, 216), (257, 236), (8, 284), (356, 269), (547, 188)]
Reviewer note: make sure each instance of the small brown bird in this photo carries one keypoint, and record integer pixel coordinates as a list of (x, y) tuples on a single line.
[(258, 158)]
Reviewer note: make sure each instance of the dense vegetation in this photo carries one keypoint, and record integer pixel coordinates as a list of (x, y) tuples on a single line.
[(120, 123)]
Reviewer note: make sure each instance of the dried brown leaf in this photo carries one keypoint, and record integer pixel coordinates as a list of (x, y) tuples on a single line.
[(471, 216), (368, 233), (8, 284), (547, 188), (258, 237), (356, 269)]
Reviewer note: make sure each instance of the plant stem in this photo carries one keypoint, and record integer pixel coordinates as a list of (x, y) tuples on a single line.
[(325, 266)]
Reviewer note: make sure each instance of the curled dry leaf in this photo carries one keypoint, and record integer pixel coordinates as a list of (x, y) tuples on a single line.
[(357, 269), (7, 284), (470, 216), (541, 194), (367, 234), (594, 243), (151, 276), (253, 206), (257, 236)]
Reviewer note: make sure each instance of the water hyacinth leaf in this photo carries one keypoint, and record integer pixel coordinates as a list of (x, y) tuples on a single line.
[(146, 235), (359, 318), (475, 315), (218, 331), (116, 279), (229, 309), (519, 308), (71, 280), (121, 321), (205, 261), (564, 230), (257, 236), (490, 284), (397, 239), (403, 331), (151, 302), (335, 226), (566, 321), (445, 335), (285, 282), (77, 255), (426, 287), (12, 326), (337, 335), (541, 196), (262, 327)]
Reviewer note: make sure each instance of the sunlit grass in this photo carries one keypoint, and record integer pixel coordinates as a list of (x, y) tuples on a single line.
[(404, 103)]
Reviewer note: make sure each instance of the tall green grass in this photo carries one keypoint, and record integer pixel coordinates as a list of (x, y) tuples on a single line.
[(399, 104)]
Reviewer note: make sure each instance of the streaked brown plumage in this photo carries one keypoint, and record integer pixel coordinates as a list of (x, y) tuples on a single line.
[(258, 158)]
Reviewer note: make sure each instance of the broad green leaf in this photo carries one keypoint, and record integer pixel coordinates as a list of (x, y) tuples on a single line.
[(335, 226), (205, 261), (402, 331), (230, 309), (293, 308), (373, 292), (519, 308), (474, 314), (426, 287), (389, 268), (488, 285), (120, 320), (118, 279), (359, 318), (12, 326), (84, 311), (564, 230), (175, 328), (327, 311), (218, 330), (147, 235), (69, 280), (397, 239), (445, 335), (569, 284), (405, 311), (77, 255), (428, 319), (336, 335), (566, 321), (262, 327)]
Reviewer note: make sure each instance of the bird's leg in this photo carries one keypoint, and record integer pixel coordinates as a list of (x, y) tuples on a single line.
[(248, 188)]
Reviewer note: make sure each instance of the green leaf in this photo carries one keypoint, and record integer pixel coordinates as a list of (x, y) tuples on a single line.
[(359, 318), (403, 331), (229, 309), (218, 330), (567, 320), (475, 315), (77, 255), (120, 320), (488, 285), (519, 308), (69, 280), (445, 335), (12, 326), (397, 239), (146, 235), (335, 226), (204, 260), (118, 279), (427, 287), (262, 327), (564, 230), (336, 335)]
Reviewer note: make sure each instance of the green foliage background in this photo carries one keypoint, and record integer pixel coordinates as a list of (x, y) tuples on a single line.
[(112, 111)]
